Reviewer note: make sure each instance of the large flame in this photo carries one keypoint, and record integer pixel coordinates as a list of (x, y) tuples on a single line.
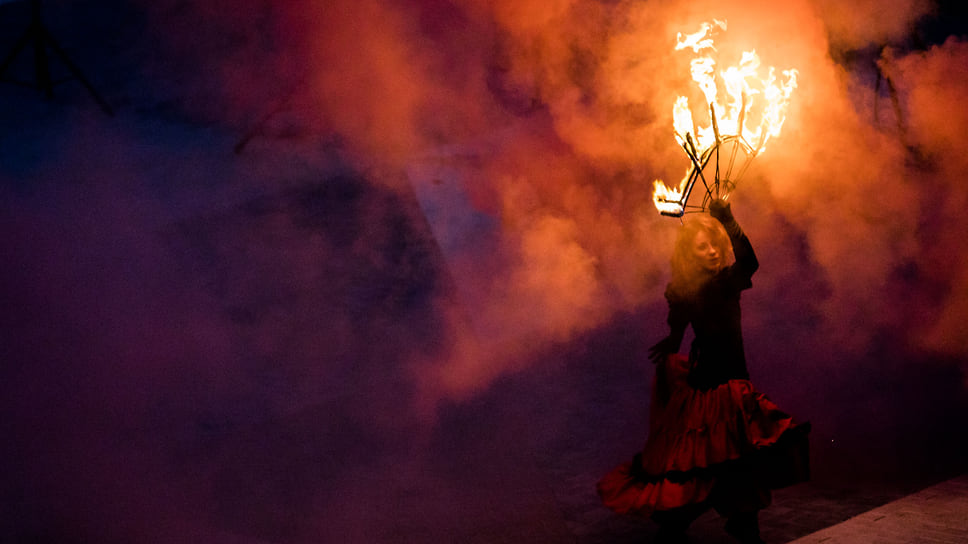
[(741, 104)]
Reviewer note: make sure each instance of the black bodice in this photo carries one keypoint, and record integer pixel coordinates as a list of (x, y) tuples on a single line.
[(717, 354)]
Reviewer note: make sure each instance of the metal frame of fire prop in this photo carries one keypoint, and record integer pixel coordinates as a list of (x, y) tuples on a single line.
[(723, 181), (713, 153), (38, 36)]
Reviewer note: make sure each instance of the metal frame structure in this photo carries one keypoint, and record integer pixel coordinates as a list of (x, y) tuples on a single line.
[(40, 38), (724, 153)]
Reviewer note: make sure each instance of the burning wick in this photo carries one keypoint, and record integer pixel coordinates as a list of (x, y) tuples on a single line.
[(753, 112)]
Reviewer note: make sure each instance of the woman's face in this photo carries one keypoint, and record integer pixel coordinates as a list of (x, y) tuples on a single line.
[(705, 253)]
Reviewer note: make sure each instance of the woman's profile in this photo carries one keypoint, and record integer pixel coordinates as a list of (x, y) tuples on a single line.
[(714, 441)]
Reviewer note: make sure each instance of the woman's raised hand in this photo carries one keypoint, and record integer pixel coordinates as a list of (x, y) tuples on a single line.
[(719, 209)]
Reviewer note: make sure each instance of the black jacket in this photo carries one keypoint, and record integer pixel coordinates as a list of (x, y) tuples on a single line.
[(717, 354)]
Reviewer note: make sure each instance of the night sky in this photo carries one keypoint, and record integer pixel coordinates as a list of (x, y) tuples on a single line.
[(377, 270)]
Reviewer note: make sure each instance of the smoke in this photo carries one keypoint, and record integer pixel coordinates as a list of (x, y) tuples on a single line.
[(163, 323), (861, 24), (438, 196), (102, 339), (933, 83), (846, 182), (549, 121)]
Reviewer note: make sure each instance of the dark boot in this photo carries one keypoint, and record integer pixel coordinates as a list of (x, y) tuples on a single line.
[(744, 527), (668, 534), (673, 523)]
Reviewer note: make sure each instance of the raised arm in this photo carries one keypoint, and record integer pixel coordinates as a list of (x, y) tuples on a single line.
[(746, 262)]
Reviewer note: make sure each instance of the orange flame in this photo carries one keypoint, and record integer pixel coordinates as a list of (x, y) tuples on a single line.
[(667, 198), (752, 107)]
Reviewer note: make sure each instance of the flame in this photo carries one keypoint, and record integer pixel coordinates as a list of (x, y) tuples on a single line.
[(682, 119), (741, 104), (699, 41), (667, 198)]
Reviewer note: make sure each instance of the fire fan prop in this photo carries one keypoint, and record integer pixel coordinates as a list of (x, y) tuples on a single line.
[(739, 128)]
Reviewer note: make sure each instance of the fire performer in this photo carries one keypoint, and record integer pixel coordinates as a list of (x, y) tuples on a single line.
[(714, 440)]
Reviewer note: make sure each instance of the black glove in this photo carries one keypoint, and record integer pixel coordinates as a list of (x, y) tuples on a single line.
[(663, 349), (719, 209)]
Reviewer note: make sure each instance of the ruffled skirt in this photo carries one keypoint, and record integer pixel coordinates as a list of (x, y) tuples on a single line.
[(724, 447)]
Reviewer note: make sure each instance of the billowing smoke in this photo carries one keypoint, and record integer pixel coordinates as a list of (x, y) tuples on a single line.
[(530, 133), (547, 122), (430, 197), (862, 24), (931, 82)]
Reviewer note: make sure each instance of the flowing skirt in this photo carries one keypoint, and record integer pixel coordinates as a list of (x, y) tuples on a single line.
[(724, 447)]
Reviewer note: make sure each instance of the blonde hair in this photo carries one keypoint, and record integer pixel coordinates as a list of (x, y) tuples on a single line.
[(687, 275)]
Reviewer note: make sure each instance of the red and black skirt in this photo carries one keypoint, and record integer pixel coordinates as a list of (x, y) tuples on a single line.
[(724, 447)]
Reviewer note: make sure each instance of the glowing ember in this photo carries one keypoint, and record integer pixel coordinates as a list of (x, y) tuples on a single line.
[(752, 112)]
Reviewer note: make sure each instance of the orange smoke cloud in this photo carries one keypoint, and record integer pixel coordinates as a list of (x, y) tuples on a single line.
[(377, 82), (934, 87), (560, 257), (548, 122), (857, 24), (608, 78)]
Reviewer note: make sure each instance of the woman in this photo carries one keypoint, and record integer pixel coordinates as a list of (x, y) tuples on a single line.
[(714, 440)]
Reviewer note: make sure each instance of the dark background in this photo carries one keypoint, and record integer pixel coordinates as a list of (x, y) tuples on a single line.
[(387, 271)]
